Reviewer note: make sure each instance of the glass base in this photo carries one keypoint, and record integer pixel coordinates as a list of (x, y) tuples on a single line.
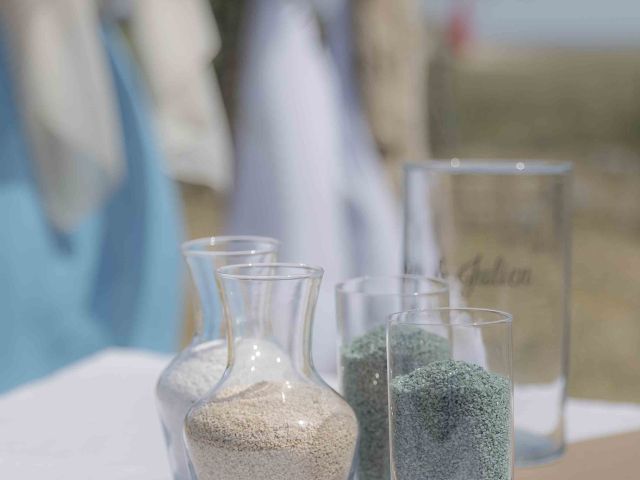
[(534, 449)]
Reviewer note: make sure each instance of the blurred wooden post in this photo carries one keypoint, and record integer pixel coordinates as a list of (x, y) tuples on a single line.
[(391, 56)]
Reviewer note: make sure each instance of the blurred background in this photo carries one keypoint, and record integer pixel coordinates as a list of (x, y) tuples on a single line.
[(525, 79), (292, 118)]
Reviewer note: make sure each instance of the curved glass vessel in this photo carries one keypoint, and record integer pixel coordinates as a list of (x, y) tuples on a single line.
[(198, 367), (272, 416)]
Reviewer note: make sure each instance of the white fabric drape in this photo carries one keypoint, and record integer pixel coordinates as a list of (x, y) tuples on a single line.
[(177, 42), (68, 103), (307, 170)]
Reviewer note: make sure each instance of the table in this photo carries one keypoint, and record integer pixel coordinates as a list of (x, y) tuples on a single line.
[(603, 458), (97, 420)]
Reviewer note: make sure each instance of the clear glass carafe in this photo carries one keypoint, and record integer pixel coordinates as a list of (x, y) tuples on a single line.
[(271, 416), (197, 368)]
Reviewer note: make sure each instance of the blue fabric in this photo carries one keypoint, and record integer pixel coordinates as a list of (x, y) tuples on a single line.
[(116, 280)]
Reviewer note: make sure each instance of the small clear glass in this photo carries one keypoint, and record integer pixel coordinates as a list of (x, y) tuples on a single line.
[(450, 395), (500, 233), (362, 307), (199, 366), (272, 416)]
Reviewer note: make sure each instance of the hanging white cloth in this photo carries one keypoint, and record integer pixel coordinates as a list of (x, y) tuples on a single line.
[(69, 106), (307, 172), (177, 42), (68, 103), (375, 221)]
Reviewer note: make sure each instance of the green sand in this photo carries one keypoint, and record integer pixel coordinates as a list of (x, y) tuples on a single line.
[(364, 383), (452, 421)]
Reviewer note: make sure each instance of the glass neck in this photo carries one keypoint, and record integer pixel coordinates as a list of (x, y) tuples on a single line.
[(202, 268), (208, 305), (274, 315)]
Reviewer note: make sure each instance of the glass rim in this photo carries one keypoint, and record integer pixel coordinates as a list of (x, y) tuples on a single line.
[(344, 286), (504, 318), (197, 246), (493, 166), (307, 271)]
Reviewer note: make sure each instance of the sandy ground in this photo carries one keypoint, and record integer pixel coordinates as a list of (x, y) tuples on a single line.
[(585, 107)]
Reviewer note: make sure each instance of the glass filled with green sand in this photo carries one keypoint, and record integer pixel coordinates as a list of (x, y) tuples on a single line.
[(363, 306), (451, 418)]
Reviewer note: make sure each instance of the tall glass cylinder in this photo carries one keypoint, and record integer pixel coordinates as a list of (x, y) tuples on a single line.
[(363, 305), (450, 397), (199, 366), (271, 417), (500, 233)]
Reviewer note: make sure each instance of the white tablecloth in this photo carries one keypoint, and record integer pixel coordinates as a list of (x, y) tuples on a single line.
[(97, 420)]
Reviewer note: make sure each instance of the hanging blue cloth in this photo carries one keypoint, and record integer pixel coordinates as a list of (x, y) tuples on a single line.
[(116, 279)]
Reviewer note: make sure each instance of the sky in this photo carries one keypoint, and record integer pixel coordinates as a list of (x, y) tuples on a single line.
[(606, 23)]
